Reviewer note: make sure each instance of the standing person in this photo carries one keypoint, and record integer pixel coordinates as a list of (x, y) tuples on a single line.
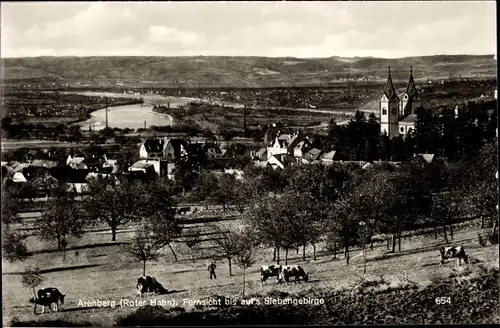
[(211, 268)]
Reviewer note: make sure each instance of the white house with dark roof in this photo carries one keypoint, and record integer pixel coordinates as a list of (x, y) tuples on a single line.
[(151, 149), (302, 148), (146, 165)]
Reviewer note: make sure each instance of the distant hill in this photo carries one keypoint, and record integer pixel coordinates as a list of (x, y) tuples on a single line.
[(201, 71)]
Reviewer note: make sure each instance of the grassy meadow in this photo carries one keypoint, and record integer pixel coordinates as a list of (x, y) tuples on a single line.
[(94, 268)]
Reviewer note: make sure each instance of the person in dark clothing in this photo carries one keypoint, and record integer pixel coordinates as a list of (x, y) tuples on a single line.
[(211, 268)]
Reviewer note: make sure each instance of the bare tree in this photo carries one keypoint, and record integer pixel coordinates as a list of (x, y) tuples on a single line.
[(227, 240), (446, 208), (32, 278), (143, 248), (115, 203), (158, 210), (364, 235), (61, 218), (245, 257)]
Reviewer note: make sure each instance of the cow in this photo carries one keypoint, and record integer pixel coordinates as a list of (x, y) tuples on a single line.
[(148, 284), (267, 271), (296, 271), (457, 252), (183, 210), (47, 297)]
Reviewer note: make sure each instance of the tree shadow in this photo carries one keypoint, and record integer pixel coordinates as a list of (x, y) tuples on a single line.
[(432, 247), (176, 291), (81, 308), (74, 248), (59, 269)]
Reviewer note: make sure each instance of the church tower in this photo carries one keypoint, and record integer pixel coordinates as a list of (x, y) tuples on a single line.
[(410, 100), (389, 109)]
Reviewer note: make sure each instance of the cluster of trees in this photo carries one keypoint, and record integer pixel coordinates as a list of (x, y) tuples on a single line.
[(113, 202), (298, 206), (345, 205), (443, 135)]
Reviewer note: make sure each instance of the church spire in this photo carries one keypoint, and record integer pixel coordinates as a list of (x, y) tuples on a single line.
[(389, 89), (411, 89)]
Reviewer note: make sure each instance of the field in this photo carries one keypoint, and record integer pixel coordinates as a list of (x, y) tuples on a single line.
[(206, 71), (103, 271)]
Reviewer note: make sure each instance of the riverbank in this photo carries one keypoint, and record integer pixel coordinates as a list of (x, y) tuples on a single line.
[(121, 103)]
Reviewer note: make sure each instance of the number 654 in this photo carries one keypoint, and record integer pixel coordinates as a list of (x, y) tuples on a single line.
[(443, 300)]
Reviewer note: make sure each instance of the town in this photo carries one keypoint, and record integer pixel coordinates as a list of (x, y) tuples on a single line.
[(212, 190)]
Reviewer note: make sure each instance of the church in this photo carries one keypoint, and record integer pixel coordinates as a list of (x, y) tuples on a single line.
[(398, 113)]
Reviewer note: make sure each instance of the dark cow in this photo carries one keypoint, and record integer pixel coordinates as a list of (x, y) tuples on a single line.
[(294, 271), (453, 252), (183, 210), (47, 297), (268, 271), (148, 284)]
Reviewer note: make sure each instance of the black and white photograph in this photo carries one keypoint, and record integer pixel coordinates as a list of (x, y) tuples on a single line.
[(249, 163)]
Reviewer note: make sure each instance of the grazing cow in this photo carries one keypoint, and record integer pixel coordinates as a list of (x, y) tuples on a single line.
[(457, 252), (47, 297), (268, 271), (148, 284), (294, 271), (183, 210)]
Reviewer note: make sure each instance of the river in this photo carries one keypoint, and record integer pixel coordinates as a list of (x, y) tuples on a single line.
[(137, 115)]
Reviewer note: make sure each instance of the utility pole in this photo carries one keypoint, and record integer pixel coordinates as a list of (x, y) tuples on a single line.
[(245, 134), (106, 99)]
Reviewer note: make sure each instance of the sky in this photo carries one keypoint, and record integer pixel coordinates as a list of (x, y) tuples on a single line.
[(271, 29)]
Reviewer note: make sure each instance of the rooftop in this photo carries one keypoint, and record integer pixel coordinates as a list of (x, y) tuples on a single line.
[(412, 118)]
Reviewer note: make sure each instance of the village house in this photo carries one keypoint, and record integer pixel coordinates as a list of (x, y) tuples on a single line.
[(151, 149), (146, 166), (164, 148)]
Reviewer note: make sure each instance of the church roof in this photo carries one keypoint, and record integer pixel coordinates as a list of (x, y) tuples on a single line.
[(412, 118), (411, 89), (389, 90)]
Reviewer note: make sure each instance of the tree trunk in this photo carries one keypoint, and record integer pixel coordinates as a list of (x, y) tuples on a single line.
[(286, 256), (314, 252), (371, 245), (244, 269), (451, 231), (445, 234), (364, 259), (278, 254), (297, 249), (304, 252), (206, 204), (113, 233), (435, 232), (144, 267), (230, 272), (172, 250), (346, 253), (58, 242), (482, 222), (224, 207), (274, 254), (394, 242), (34, 304), (399, 242), (388, 247)]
